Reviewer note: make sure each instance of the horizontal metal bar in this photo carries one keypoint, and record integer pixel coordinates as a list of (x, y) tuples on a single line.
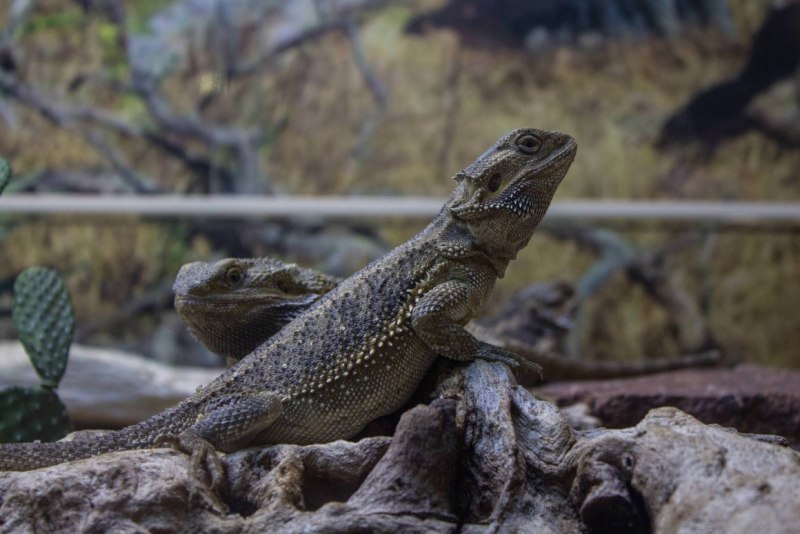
[(224, 206), (349, 208)]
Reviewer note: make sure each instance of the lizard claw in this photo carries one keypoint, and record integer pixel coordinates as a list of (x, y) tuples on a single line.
[(204, 465)]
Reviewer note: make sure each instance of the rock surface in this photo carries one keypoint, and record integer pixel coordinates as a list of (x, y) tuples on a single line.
[(485, 456), (749, 398)]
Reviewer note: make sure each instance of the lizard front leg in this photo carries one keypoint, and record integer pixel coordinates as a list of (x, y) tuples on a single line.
[(438, 320), (227, 423)]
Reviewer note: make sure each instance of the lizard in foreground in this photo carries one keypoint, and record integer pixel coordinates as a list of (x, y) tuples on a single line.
[(235, 304), (361, 350)]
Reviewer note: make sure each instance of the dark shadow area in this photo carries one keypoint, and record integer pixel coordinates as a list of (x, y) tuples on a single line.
[(517, 22), (320, 489), (719, 112)]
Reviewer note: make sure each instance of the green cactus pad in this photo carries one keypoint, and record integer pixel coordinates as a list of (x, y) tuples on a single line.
[(5, 174), (44, 318), (29, 414)]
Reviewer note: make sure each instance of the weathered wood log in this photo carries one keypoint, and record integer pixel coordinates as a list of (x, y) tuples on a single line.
[(108, 388), (485, 456), (675, 474)]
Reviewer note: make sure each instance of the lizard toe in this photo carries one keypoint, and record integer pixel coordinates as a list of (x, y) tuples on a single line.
[(205, 465)]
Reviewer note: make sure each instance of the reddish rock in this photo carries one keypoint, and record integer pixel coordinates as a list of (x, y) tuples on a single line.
[(749, 398)]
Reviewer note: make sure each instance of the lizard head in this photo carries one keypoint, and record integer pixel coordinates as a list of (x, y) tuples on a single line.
[(235, 304), (504, 194)]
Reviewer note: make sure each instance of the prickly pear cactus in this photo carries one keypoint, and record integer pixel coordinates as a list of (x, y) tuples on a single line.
[(30, 414), (5, 174), (44, 319)]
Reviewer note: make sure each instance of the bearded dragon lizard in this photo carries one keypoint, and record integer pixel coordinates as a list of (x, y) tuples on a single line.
[(361, 350), (235, 304)]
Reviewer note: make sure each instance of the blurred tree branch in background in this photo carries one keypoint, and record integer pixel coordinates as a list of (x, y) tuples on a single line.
[(651, 270), (163, 93), (237, 40)]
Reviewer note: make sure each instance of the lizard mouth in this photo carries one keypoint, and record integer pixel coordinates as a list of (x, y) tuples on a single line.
[(186, 301), (518, 195)]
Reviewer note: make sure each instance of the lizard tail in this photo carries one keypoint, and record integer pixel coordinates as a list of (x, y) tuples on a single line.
[(27, 456)]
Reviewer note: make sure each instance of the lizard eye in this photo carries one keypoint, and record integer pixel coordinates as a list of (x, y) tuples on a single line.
[(494, 182), (529, 144), (234, 276)]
